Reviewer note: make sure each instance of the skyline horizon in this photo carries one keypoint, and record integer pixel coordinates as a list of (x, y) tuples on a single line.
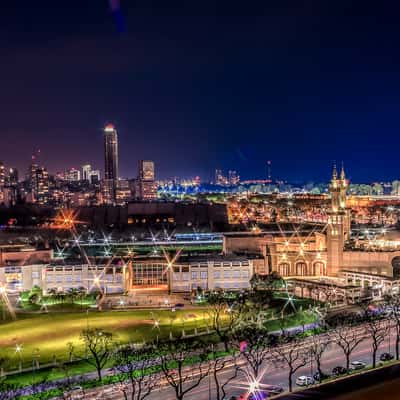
[(210, 179)]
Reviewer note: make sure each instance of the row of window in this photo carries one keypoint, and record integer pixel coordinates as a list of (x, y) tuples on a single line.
[(227, 274), (223, 285), (78, 278), (222, 264)]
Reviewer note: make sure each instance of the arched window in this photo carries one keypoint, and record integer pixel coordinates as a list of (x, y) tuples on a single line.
[(284, 269), (319, 268), (301, 268)]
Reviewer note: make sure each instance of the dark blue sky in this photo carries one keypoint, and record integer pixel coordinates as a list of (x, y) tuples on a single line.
[(197, 85)]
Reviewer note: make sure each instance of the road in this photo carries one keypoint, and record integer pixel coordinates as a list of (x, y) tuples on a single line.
[(274, 375)]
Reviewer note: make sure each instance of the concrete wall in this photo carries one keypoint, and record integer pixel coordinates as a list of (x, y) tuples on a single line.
[(370, 262)]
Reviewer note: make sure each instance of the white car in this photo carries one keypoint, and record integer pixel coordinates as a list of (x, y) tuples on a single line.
[(304, 380), (357, 365)]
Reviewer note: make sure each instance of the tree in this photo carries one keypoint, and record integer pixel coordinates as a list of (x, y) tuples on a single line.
[(393, 304), (99, 344), (347, 336), (134, 368), (253, 343), (318, 345), (184, 364), (377, 328), (223, 315), (220, 366), (293, 355)]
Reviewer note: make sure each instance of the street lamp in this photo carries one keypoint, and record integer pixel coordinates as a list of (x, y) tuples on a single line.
[(18, 350)]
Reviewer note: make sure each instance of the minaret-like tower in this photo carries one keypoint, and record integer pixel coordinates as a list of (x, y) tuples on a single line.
[(343, 205), (338, 230)]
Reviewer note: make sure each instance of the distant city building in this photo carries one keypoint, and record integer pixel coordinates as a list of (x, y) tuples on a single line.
[(110, 163), (220, 178), (2, 184), (39, 184), (2, 175), (86, 172), (123, 192), (146, 186), (146, 170), (233, 178), (95, 177), (13, 177), (72, 175), (11, 193)]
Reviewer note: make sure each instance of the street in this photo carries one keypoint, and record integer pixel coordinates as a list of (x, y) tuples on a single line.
[(274, 375)]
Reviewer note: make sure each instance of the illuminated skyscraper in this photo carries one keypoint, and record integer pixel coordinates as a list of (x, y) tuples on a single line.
[(110, 163), (220, 179), (39, 184), (2, 175), (233, 177), (86, 172), (13, 177), (72, 175), (146, 185)]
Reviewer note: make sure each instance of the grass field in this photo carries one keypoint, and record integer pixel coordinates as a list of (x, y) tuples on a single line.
[(49, 334)]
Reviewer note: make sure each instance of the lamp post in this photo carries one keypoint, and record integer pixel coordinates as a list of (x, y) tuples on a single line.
[(18, 350)]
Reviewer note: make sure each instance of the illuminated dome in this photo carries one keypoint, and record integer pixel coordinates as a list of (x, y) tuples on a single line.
[(109, 128)]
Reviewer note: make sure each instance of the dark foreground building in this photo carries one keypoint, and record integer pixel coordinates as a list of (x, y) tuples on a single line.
[(142, 214)]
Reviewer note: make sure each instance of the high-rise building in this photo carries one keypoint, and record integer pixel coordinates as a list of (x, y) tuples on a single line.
[(39, 184), (124, 192), (220, 179), (12, 183), (13, 177), (233, 177), (2, 183), (72, 175), (269, 176), (147, 188), (146, 170), (2, 175), (94, 177), (110, 163), (86, 172)]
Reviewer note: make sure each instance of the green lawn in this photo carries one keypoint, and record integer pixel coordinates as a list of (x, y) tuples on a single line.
[(49, 334)]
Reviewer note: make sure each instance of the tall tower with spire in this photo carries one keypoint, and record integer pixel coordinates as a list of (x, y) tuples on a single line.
[(338, 230)]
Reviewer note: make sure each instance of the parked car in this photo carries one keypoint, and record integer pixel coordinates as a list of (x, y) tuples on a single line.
[(319, 378), (179, 305), (304, 380), (386, 357), (272, 389), (354, 365), (339, 370)]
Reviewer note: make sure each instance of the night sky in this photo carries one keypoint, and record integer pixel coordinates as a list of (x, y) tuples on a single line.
[(198, 85)]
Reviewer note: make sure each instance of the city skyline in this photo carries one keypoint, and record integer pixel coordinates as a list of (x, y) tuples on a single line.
[(267, 83), (199, 200)]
